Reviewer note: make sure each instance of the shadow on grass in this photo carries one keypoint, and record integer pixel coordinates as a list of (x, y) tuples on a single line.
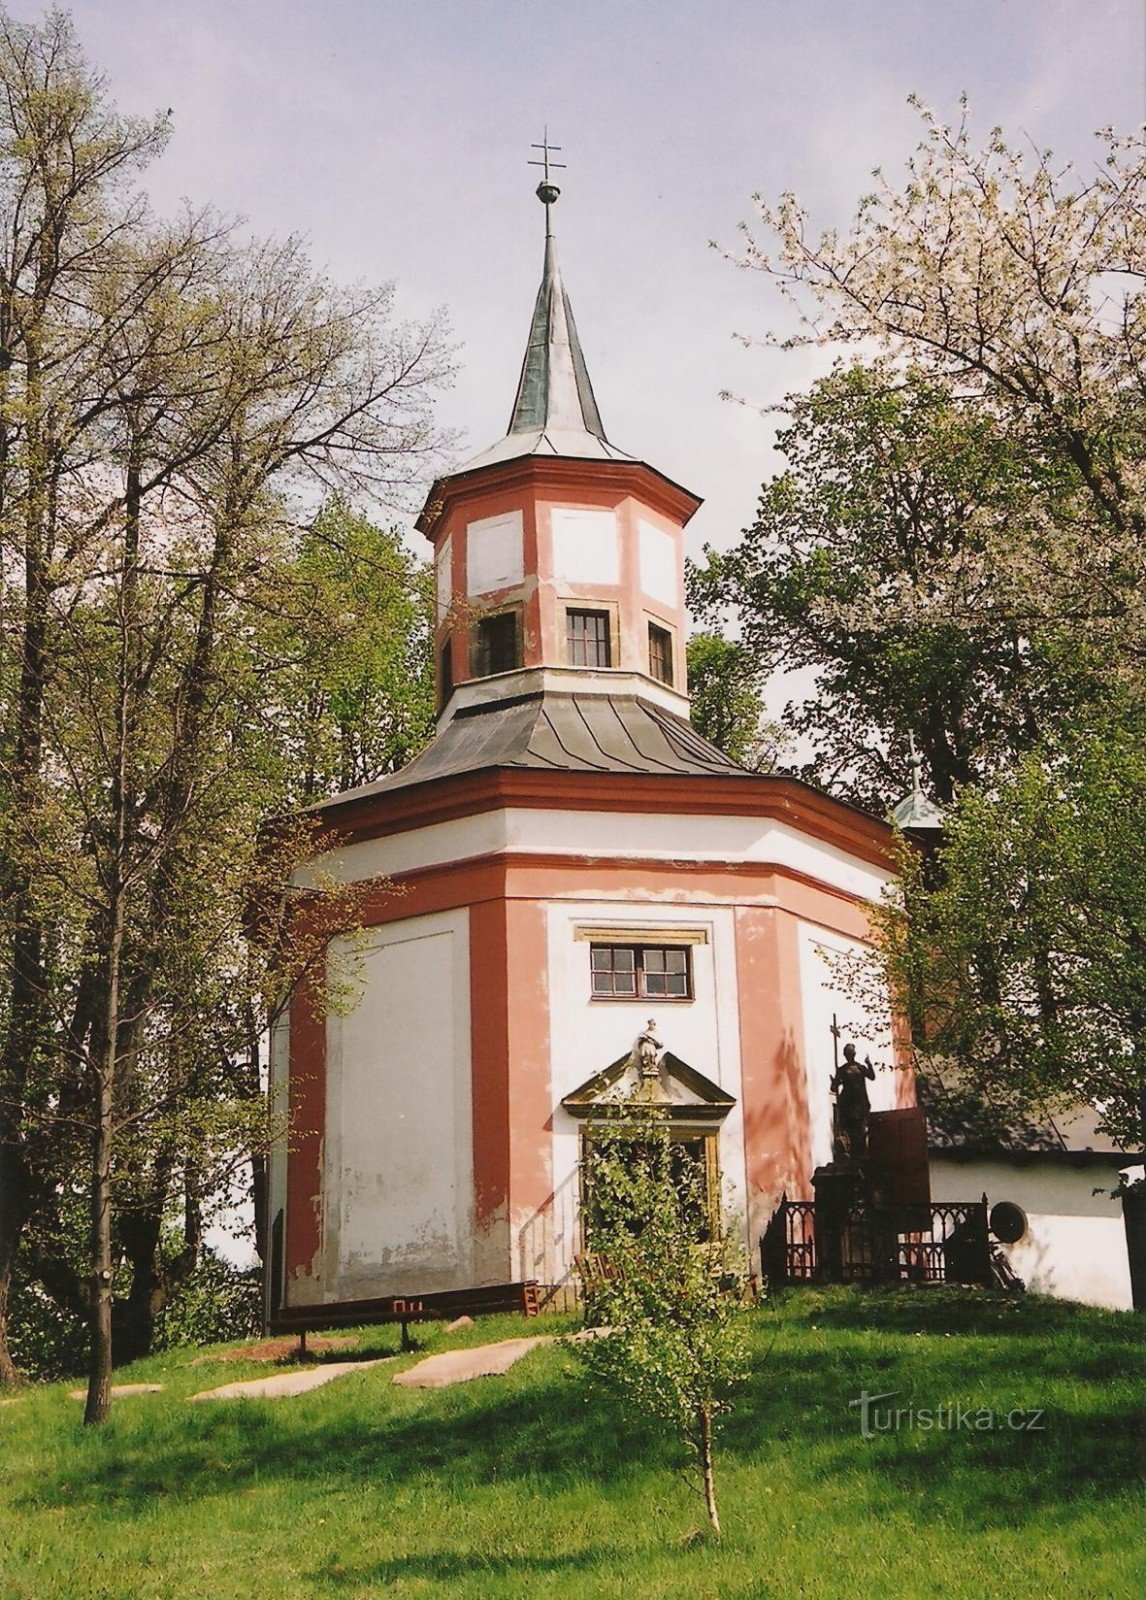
[(941, 1309), (481, 1433), (447, 1566), (331, 1358), (794, 1422)]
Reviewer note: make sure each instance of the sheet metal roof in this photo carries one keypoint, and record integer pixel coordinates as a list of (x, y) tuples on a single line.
[(564, 733), (555, 411)]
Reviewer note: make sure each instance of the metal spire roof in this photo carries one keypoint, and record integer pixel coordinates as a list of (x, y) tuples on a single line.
[(915, 810), (554, 390), (555, 412)]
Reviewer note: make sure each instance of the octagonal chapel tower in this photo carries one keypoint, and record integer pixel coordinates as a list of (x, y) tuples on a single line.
[(566, 860)]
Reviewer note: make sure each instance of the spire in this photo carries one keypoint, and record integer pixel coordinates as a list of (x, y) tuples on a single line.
[(554, 393), (555, 411)]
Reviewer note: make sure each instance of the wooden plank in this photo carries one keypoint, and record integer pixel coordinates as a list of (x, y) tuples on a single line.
[(897, 1156)]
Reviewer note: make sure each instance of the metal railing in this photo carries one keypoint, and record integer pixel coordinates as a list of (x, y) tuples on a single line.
[(947, 1243)]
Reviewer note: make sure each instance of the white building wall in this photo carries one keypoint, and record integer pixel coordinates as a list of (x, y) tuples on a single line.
[(660, 564), (605, 835), (494, 553), (825, 995), (399, 1142), (1075, 1244), (279, 1091), (586, 548), (588, 1035), (444, 577)]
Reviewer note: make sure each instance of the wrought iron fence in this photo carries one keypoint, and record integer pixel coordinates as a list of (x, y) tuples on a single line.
[(878, 1244)]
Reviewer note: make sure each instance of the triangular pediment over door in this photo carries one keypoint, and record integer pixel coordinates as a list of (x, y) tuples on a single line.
[(683, 1094)]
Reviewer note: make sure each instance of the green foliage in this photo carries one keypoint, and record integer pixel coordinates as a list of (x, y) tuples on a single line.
[(217, 1304), (180, 662), (1022, 960), (958, 552), (357, 685), (876, 562), (724, 685), (48, 1341), (671, 1287)]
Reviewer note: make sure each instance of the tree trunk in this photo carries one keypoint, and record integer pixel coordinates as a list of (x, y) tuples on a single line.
[(153, 1281), (133, 1318), (11, 1225), (100, 1315), (116, 879), (704, 1450), (99, 1371), (259, 1175)]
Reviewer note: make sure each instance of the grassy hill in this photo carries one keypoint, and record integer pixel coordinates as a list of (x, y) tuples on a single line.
[(531, 1485)]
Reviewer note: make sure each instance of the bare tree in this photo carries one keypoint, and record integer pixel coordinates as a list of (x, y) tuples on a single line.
[(167, 394)]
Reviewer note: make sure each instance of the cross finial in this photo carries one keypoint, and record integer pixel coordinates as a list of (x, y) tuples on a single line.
[(547, 190), (546, 150)]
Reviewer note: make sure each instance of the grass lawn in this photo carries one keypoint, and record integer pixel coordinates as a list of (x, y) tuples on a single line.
[(529, 1485)]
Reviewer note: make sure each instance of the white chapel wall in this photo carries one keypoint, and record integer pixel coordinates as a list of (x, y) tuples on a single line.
[(494, 553), (660, 564), (1075, 1244), (587, 1035), (603, 834), (398, 1170), (444, 577), (585, 545)]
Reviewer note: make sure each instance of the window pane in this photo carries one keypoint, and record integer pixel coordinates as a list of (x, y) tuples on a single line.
[(613, 969), (665, 971), (660, 653), (587, 638), (496, 649)]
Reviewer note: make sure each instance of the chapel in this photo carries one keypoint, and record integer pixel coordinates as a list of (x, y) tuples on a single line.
[(567, 869)]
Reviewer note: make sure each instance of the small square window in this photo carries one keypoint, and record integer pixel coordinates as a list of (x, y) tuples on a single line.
[(496, 645), (654, 972), (660, 654), (587, 639)]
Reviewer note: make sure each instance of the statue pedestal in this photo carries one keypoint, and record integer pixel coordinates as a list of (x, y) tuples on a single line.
[(838, 1187)]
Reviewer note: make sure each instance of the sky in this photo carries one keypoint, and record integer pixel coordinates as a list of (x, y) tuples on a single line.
[(394, 135)]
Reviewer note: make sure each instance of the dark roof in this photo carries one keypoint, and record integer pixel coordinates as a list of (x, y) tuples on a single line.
[(564, 733), (1074, 1135)]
